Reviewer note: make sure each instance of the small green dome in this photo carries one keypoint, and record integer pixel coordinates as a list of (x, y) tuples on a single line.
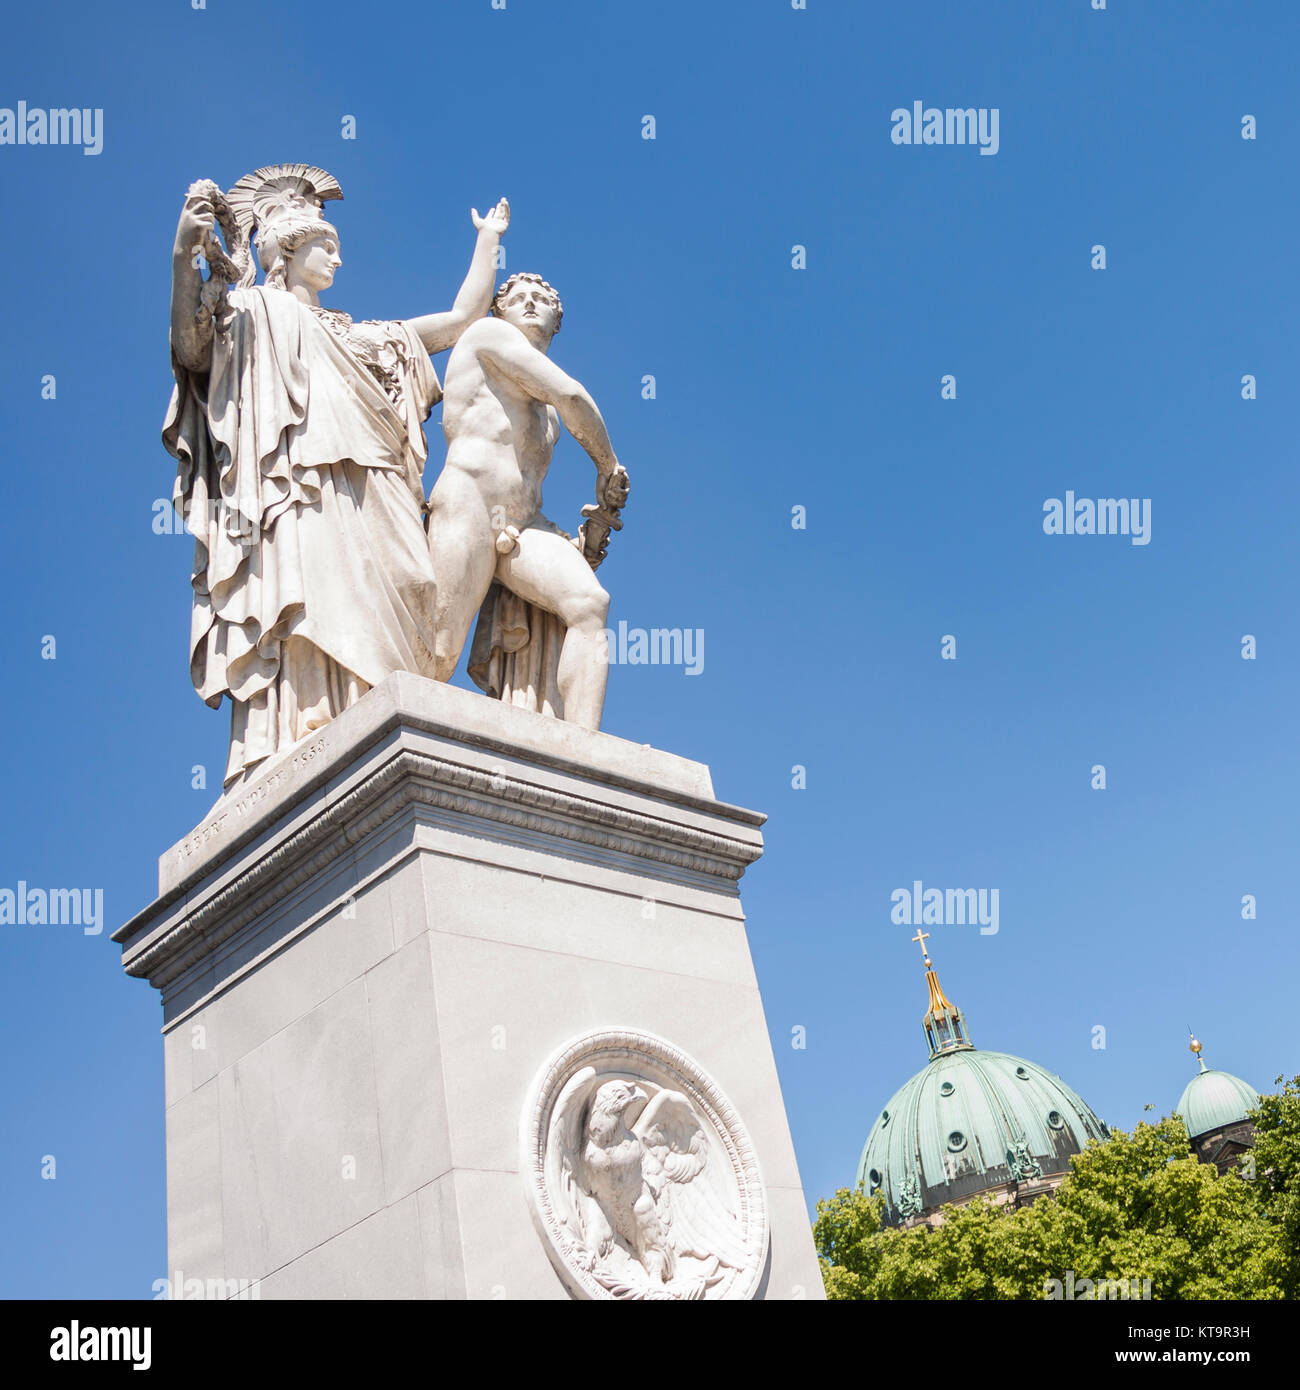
[(970, 1120), (1213, 1100)]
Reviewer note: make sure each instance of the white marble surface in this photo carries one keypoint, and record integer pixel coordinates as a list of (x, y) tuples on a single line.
[(300, 449), (376, 992)]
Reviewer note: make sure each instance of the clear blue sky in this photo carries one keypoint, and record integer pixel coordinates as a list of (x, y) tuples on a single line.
[(776, 388)]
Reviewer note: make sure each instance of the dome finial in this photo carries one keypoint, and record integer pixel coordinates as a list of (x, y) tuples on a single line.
[(1195, 1047), (944, 1023)]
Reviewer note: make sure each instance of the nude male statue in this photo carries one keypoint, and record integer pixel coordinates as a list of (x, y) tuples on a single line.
[(503, 403)]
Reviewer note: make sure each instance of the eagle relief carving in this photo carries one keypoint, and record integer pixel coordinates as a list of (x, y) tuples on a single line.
[(642, 1181)]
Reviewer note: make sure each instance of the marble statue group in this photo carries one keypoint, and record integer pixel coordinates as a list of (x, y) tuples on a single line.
[(320, 566), (323, 567)]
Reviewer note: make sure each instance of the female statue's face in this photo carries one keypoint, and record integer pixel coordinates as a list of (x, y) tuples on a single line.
[(313, 264)]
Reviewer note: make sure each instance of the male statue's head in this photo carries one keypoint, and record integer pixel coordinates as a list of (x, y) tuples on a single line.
[(532, 306)]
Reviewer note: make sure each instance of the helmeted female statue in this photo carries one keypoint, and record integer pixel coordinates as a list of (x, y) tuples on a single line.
[(300, 446)]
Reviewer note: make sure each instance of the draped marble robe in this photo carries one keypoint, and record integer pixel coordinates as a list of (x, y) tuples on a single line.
[(515, 653), (300, 460)]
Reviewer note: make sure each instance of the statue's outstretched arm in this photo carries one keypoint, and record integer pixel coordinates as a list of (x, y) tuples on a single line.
[(191, 332), (506, 349), (439, 331)]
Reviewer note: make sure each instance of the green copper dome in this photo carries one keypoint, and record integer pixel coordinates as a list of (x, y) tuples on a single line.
[(969, 1120), (1214, 1099)]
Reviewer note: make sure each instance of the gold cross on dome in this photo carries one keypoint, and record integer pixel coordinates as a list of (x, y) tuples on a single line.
[(921, 937)]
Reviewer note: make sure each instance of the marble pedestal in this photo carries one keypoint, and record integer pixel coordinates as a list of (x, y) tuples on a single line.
[(366, 955)]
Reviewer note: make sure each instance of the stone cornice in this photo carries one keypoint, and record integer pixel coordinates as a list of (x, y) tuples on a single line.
[(416, 778)]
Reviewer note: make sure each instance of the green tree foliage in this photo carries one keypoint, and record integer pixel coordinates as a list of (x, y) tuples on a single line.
[(1136, 1207), (1277, 1172)]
